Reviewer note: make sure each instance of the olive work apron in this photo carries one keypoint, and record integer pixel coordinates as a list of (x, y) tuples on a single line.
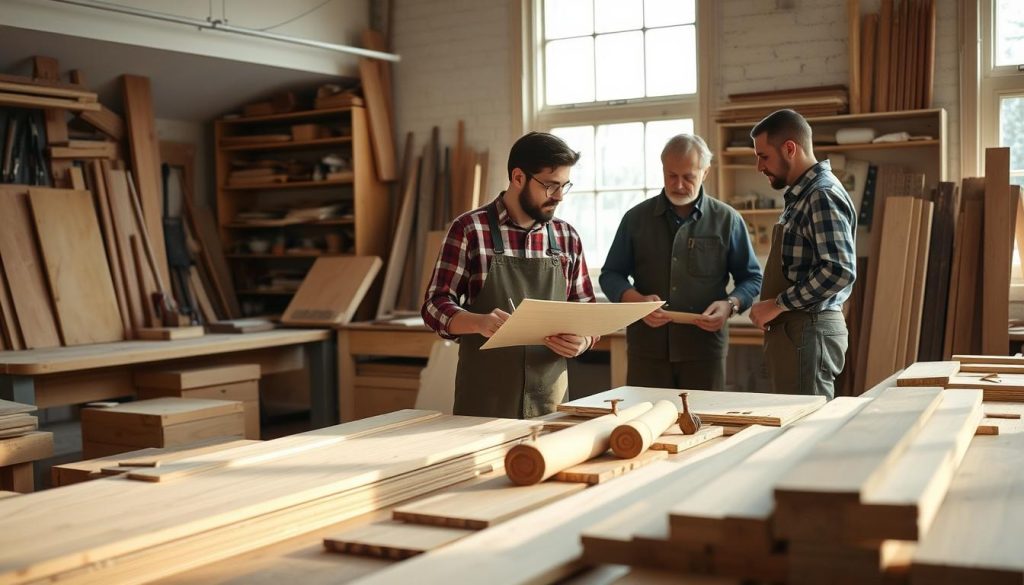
[(512, 382), (804, 351)]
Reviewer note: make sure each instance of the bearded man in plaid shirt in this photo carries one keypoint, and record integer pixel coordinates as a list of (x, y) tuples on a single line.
[(813, 262), (493, 257)]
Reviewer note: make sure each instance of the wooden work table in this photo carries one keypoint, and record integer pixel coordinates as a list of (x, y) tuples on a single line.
[(385, 340), (77, 374)]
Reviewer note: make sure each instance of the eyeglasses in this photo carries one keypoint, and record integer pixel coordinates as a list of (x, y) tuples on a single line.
[(554, 188)]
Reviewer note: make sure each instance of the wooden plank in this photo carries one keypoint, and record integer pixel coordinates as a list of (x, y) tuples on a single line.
[(381, 136), (484, 504), (211, 249), (79, 277), (937, 296), (901, 342), (125, 228), (159, 412), (403, 232), (912, 44), (428, 172), (1004, 388), (929, 66), (169, 333), (853, 50), (854, 460), (735, 508), (997, 246), (895, 67), (869, 32), (8, 407), (326, 298), (675, 441), (884, 47), (713, 407), (42, 103), (273, 449), (965, 359), (904, 504), (607, 467), (987, 492), (25, 271), (917, 290), (111, 245), (10, 332), (104, 120), (65, 152), (32, 446), (928, 374), (966, 336), (145, 155), (393, 540), (145, 518), (892, 262)]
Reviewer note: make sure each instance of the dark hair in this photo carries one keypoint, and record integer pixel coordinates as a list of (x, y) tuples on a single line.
[(783, 125), (537, 151)]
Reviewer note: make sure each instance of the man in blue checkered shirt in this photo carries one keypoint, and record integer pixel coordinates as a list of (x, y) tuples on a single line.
[(812, 264)]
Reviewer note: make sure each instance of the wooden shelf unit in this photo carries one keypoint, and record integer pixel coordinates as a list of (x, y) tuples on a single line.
[(363, 233), (737, 169)]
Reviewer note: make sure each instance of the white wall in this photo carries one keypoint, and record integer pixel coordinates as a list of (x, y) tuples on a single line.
[(456, 64), (339, 21)]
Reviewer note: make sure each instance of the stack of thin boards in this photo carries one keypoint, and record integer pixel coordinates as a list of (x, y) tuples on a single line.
[(437, 187), (15, 419), (811, 102), (80, 263), (892, 56), (164, 520)]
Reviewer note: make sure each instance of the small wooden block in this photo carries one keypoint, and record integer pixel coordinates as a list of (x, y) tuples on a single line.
[(674, 441), (605, 467), (393, 540)]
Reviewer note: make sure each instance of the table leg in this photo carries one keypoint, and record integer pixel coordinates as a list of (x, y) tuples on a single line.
[(346, 377), (19, 477)]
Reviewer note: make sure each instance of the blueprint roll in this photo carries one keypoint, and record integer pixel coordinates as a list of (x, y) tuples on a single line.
[(632, 438)]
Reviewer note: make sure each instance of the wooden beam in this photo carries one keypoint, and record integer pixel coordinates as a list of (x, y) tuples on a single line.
[(998, 244)]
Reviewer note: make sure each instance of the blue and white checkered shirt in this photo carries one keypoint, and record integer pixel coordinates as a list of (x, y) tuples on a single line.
[(818, 247)]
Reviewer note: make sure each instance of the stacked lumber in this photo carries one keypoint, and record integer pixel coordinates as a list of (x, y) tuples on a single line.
[(436, 187), (892, 56), (83, 257), (240, 499), (811, 102), (15, 419)]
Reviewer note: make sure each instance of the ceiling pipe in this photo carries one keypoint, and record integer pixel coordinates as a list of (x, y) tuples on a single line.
[(222, 26)]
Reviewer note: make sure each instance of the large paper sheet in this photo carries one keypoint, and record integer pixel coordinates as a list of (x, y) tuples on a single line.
[(533, 320)]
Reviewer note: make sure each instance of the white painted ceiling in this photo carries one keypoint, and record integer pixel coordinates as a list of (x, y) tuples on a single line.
[(185, 86)]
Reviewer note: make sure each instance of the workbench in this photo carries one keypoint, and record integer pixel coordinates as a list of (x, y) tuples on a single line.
[(85, 373), (369, 339)]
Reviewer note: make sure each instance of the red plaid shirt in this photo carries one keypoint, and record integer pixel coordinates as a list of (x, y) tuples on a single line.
[(465, 258)]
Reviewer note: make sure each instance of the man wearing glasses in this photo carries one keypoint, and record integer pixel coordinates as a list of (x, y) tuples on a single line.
[(493, 257), (681, 247)]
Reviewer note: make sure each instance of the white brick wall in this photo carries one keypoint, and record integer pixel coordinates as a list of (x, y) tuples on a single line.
[(456, 64), (457, 60), (761, 48)]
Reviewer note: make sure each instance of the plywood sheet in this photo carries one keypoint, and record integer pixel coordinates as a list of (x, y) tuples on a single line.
[(79, 276), (713, 407), (25, 271), (331, 291), (533, 320)]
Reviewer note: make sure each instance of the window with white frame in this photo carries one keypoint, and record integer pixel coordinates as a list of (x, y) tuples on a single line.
[(615, 79), (1002, 84)]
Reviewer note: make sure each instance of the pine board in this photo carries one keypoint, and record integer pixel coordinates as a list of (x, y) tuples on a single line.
[(998, 243), (8, 407), (675, 441), (331, 291), (484, 504), (393, 540), (145, 155), (928, 374), (25, 271), (106, 519), (977, 533), (904, 504), (1009, 387), (402, 235), (713, 407), (607, 467), (159, 412), (187, 379), (99, 179), (381, 137), (79, 276), (735, 508), (903, 333), (32, 446), (916, 293), (967, 326), (125, 227), (855, 459)]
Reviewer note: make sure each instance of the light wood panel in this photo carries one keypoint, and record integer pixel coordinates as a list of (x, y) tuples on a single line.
[(331, 291), (79, 276), (380, 120), (403, 233), (998, 245), (727, 408), (393, 540), (606, 467), (675, 441), (928, 374)]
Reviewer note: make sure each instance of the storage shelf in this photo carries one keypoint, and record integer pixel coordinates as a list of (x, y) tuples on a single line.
[(860, 118), (291, 185), (293, 144), (841, 148), (303, 115)]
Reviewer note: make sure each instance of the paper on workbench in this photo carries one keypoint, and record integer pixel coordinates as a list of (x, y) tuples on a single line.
[(533, 320)]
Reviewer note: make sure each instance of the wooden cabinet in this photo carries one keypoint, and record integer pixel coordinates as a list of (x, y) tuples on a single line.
[(292, 188), (741, 185)]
